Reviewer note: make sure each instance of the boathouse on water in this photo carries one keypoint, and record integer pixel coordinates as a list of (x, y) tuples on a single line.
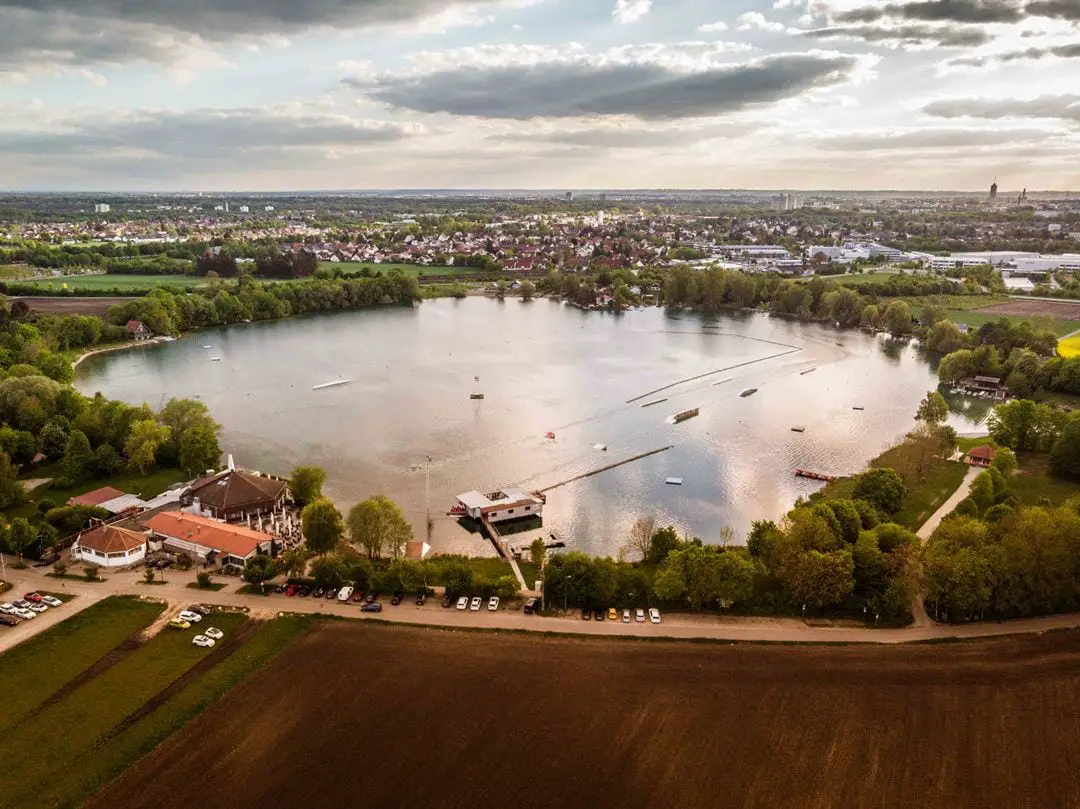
[(511, 503)]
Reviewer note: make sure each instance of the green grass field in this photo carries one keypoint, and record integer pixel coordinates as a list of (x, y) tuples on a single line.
[(127, 283), (976, 319), (1034, 482), (865, 278), (413, 270), (149, 485), (34, 670)]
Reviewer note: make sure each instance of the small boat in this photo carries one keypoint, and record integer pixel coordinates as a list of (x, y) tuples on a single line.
[(476, 396), (721, 382), (686, 414), (807, 371), (798, 429), (858, 407), (658, 401), (673, 481), (207, 348), (748, 392), (333, 384), (168, 339), (550, 436), (600, 447), (215, 359)]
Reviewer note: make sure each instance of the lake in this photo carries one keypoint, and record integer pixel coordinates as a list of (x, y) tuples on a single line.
[(544, 366)]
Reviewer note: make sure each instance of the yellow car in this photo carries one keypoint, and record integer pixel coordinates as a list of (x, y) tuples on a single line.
[(612, 615), (179, 623)]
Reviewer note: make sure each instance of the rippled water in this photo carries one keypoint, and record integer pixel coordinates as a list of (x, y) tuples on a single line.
[(543, 366)]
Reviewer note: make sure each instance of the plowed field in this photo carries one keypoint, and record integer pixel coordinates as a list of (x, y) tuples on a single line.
[(1058, 310), (392, 717)]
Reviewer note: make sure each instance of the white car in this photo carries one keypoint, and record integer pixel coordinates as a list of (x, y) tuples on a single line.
[(214, 632), (463, 603), (626, 616), (202, 641), (474, 605), (345, 593), (639, 615), (7, 609), (190, 617), (39, 608), (654, 615), (24, 613), (52, 601), (493, 603)]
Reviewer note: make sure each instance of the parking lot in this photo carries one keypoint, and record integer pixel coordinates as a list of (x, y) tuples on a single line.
[(28, 608)]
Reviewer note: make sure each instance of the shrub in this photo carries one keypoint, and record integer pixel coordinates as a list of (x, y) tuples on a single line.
[(203, 580), (91, 572)]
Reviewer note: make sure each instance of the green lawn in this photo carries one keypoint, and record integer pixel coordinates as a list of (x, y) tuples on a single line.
[(37, 668), (414, 270), (75, 780), (491, 568), (74, 728), (976, 319), (127, 283), (529, 572), (1034, 482), (149, 485), (864, 278)]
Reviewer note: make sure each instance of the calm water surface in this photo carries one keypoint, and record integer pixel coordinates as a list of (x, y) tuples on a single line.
[(543, 366)]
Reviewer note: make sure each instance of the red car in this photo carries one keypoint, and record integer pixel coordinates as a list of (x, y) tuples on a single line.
[(33, 597), (290, 590), (358, 597)]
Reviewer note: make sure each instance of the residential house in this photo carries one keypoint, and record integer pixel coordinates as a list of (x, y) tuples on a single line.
[(139, 330), (981, 456)]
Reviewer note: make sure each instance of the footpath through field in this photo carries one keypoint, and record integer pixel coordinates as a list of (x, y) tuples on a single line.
[(678, 626)]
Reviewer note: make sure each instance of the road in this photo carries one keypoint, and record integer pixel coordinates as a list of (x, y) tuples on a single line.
[(680, 626)]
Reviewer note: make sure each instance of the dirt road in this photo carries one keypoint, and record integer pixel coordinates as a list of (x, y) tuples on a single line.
[(357, 714)]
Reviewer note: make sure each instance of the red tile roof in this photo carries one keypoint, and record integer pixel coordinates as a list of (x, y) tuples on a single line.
[(96, 497), (111, 539), (986, 452), (219, 536)]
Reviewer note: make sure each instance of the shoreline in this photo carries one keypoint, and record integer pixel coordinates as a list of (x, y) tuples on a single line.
[(124, 347)]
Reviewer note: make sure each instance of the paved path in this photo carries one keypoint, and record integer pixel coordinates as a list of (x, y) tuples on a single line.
[(949, 506), (776, 630)]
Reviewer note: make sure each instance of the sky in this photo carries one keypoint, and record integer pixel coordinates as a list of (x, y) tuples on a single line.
[(277, 95)]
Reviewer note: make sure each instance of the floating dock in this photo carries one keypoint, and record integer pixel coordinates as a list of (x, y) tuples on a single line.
[(658, 401), (687, 414), (673, 481), (334, 384), (806, 473), (858, 407), (476, 396), (798, 429)]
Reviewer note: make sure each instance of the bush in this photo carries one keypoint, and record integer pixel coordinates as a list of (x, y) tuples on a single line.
[(882, 488), (203, 580), (45, 505), (91, 572), (60, 568)]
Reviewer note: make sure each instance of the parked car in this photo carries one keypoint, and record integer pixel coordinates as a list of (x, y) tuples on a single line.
[(397, 599), (639, 615), (189, 616), (21, 604), (474, 605), (373, 606), (463, 603), (612, 615), (52, 601), (531, 606), (331, 593), (493, 603), (447, 602), (39, 608), (281, 588), (23, 612), (7, 609), (179, 623), (421, 599), (345, 593), (358, 597), (290, 591), (304, 591), (202, 641), (586, 614), (47, 560), (654, 615), (33, 598), (598, 614), (199, 609), (372, 597), (317, 592), (214, 632), (626, 616), (8, 620)]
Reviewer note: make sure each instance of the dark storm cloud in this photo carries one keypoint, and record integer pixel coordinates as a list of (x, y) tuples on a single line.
[(1063, 107), (223, 19), (946, 36), (205, 134), (589, 87), (955, 11)]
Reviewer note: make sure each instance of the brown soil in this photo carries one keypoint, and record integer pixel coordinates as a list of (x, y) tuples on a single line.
[(73, 306), (1058, 310), (364, 715)]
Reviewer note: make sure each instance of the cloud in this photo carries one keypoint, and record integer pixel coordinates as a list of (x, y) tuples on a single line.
[(630, 11), (269, 134), (627, 137), (756, 21), (953, 11), (649, 82), (1060, 107), (710, 27), (944, 36), (1071, 51), (930, 139), (1055, 9)]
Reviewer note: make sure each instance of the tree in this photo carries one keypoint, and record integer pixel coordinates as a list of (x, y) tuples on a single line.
[(199, 449), (458, 579), (379, 526), (1025, 425), (322, 526), (1005, 461), (53, 440), (933, 409), (306, 484), (143, 442), (328, 572), (260, 569), (20, 535), (78, 461), (538, 552), (203, 580), (847, 517), (982, 492), (11, 491), (897, 318), (882, 488), (182, 416), (528, 289), (641, 536), (818, 579), (945, 338), (664, 541), (956, 366), (294, 562), (107, 461), (1065, 455), (91, 572)]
